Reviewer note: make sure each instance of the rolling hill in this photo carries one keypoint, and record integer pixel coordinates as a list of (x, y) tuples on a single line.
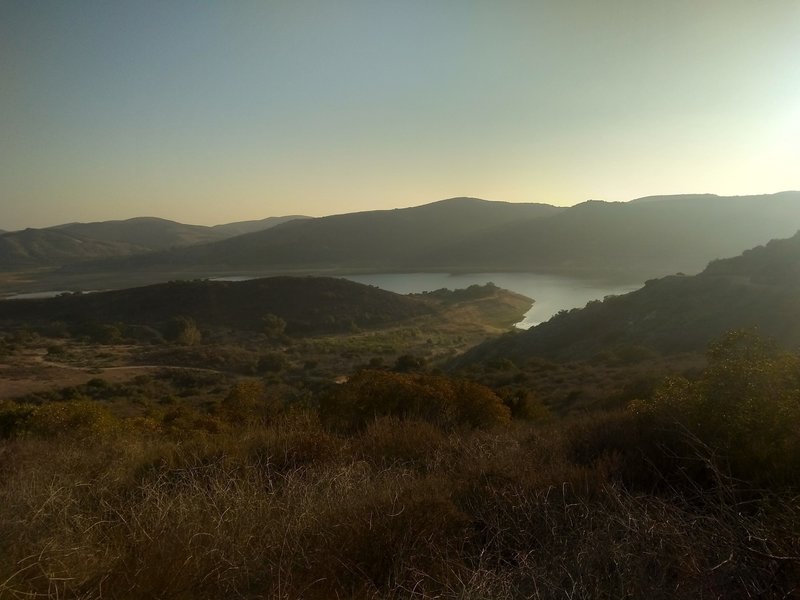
[(679, 313), (243, 227), (76, 242), (32, 248), (306, 304), (644, 238), (146, 232), (629, 241), (384, 239)]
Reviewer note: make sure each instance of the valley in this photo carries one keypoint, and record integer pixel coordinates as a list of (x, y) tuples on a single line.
[(304, 417)]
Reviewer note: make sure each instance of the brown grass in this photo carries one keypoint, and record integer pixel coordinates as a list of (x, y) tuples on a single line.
[(399, 510)]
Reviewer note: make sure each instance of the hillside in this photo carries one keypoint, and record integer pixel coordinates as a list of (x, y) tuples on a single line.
[(306, 304), (147, 232), (644, 238), (760, 288), (624, 240), (76, 242), (32, 248), (384, 239), (243, 227)]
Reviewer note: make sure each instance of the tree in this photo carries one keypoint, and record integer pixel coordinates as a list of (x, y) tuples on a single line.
[(273, 325), (182, 330)]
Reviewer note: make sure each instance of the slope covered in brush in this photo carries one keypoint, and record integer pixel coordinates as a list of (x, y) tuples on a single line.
[(678, 313), (305, 304)]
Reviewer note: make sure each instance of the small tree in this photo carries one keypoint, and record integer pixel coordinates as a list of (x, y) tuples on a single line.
[(248, 401), (182, 330), (272, 325)]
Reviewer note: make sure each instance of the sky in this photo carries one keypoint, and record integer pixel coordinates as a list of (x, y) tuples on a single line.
[(211, 112)]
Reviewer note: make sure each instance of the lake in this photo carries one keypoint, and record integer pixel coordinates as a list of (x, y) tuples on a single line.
[(36, 295), (552, 293)]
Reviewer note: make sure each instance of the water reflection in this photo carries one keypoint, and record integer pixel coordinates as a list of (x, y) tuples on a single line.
[(552, 293)]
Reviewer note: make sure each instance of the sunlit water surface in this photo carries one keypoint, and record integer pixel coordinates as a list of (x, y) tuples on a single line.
[(551, 293)]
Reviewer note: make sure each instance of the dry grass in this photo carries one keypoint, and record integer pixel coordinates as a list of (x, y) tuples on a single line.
[(400, 510)]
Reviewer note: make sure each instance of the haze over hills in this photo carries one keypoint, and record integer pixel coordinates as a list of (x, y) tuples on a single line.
[(648, 237), (243, 227), (630, 241), (76, 242), (634, 240), (758, 289), (383, 239), (32, 248), (151, 233)]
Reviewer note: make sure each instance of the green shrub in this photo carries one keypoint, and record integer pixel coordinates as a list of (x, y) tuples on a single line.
[(743, 412)]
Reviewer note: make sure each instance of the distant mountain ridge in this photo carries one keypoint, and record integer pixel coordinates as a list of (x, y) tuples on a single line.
[(383, 239), (647, 237), (151, 233), (627, 241), (243, 227), (758, 289), (75, 242), (635, 240)]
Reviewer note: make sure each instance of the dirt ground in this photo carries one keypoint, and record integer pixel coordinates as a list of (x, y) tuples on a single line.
[(32, 370)]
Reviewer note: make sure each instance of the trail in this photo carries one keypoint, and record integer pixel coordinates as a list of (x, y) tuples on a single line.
[(40, 375)]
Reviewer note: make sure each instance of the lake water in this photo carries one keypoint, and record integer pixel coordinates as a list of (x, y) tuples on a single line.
[(36, 295), (552, 293)]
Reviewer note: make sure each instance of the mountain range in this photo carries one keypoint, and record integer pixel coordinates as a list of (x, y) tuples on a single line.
[(630, 241)]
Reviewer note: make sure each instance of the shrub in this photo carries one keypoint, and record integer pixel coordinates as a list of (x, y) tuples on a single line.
[(440, 400), (743, 411), (388, 441), (271, 362), (248, 401), (182, 330), (14, 417), (80, 417)]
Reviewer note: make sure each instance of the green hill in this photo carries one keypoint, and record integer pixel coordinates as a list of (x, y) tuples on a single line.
[(760, 288)]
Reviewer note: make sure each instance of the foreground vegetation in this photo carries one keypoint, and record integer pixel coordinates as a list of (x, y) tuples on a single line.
[(411, 485)]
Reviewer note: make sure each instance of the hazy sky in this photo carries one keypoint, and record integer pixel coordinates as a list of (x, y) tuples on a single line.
[(209, 112)]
